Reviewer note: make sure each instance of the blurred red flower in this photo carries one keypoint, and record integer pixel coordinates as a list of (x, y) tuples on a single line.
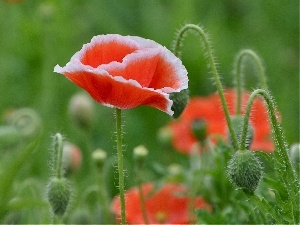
[(209, 109), (127, 71), (167, 205)]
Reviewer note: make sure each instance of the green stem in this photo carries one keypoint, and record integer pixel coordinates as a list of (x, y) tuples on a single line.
[(289, 177), (238, 67), (143, 204), (103, 199), (212, 65), (120, 163), (265, 207), (58, 151)]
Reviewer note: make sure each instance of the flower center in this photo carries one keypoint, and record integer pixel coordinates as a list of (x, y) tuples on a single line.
[(161, 217)]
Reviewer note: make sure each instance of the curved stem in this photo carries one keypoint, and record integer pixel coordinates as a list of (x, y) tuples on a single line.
[(238, 67), (279, 138), (120, 163), (213, 68)]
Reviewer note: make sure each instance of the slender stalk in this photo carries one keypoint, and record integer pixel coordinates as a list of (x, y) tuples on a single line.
[(120, 163), (143, 204), (238, 67), (212, 65), (58, 151)]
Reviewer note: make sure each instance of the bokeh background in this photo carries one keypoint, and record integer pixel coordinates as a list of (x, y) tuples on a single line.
[(36, 35)]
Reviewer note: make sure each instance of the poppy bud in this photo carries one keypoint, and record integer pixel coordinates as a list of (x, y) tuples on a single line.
[(71, 157), (245, 170), (164, 135), (140, 153), (99, 156), (180, 100), (238, 123), (27, 121), (58, 193), (9, 137), (199, 128), (82, 110)]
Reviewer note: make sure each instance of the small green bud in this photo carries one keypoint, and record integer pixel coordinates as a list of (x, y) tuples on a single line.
[(140, 153), (99, 156), (199, 128), (59, 194), (164, 135), (9, 137), (245, 170), (238, 123), (180, 100), (82, 110)]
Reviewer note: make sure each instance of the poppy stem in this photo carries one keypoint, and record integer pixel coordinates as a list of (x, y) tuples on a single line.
[(58, 151), (281, 151), (212, 66), (239, 75), (120, 163)]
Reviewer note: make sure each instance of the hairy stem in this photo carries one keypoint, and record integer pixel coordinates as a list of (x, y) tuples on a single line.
[(58, 151), (238, 67), (120, 163), (212, 65)]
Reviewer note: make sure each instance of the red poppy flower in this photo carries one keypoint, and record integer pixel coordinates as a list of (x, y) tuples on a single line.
[(127, 71), (209, 109), (168, 205)]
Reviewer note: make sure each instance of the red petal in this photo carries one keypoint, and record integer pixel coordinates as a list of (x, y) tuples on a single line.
[(104, 49), (114, 91)]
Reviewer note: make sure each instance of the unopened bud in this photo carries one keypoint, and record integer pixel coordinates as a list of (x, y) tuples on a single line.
[(238, 123), (82, 110), (245, 170), (9, 137), (140, 153), (71, 157), (199, 128), (180, 100), (164, 135), (99, 156), (27, 121), (59, 194)]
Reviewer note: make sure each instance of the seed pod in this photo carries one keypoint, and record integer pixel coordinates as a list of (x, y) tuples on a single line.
[(180, 100), (245, 170)]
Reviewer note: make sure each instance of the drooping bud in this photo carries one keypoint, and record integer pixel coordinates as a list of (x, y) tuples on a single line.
[(59, 194), (9, 137), (180, 100), (245, 170), (27, 121), (238, 123), (99, 156), (71, 157), (82, 110), (199, 128)]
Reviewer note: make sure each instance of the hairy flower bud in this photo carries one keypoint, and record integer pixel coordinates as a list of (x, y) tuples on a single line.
[(140, 153), (82, 110), (238, 123), (59, 194), (180, 100), (245, 170)]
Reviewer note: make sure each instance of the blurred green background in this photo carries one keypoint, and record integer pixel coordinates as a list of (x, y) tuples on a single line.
[(36, 35)]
